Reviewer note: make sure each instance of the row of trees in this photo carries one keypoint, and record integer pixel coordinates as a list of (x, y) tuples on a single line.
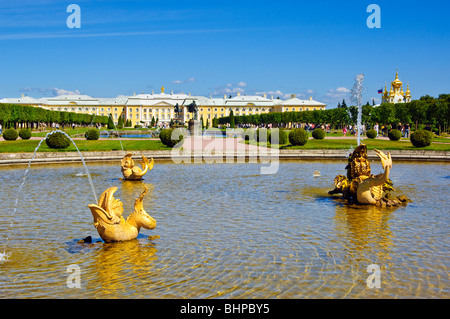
[(30, 117), (426, 110)]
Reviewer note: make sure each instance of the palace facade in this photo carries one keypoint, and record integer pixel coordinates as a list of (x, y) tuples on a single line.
[(141, 108)]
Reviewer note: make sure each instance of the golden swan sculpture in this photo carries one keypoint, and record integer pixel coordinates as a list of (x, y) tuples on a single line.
[(134, 173), (110, 224), (364, 188)]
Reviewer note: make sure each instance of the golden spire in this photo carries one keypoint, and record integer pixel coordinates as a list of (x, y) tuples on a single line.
[(408, 92), (162, 89)]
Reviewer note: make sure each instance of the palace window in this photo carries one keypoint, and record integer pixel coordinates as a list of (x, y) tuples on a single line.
[(215, 110), (250, 109), (287, 109), (137, 109), (115, 109), (137, 116), (209, 110), (65, 109), (243, 110), (93, 109), (301, 109), (80, 109), (293, 109), (109, 109), (130, 109), (86, 109), (115, 116), (263, 110), (102, 109), (145, 110), (221, 109)]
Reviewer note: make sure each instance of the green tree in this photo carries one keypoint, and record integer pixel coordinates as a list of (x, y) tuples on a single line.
[(232, 123), (120, 122), (110, 122)]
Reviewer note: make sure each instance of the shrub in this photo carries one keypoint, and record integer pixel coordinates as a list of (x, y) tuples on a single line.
[(166, 137), (318, 134), (298, 136), (259, 135), (25, 134), (394, 135), (10, 134), (57, 140), (92, 134), (282, 136), (249, 134), (421, 138), (371, 133)]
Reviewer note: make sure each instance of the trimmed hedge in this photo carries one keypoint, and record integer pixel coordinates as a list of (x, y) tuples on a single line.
[(92, 134), (166, 137), (371, 133), (282, 136), (394, 135), (57, 140), (249, 134), (421, 138), (318, 134), (298, 136), (259, 135), (25, 134), (10, 134)]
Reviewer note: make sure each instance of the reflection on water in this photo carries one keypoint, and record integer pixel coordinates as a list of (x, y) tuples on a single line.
[(225, 231)]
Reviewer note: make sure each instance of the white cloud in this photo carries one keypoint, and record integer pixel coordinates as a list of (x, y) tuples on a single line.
[(242, 84), (185, 81), (275, 94), (57, 92), (52, 91), (342, 90)]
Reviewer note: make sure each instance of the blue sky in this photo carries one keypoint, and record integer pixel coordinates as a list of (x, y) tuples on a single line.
[(307, 48)]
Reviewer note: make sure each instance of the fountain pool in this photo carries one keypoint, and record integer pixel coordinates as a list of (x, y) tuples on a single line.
[(225, 231)]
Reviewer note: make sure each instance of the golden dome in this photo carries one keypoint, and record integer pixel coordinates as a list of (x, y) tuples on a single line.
[(397, 83)]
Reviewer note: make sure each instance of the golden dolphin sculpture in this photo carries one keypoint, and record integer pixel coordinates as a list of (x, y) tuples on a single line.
[(134, 173), (361, 186), (110, 224)]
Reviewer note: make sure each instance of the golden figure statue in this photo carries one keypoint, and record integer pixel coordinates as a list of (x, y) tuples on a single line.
[(110, 224), (133, 173), (361, 186)]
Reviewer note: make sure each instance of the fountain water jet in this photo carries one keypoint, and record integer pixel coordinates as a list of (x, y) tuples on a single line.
[(4, 255), (356, 97)]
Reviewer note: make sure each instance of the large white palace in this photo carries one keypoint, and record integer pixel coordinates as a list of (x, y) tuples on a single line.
[(141, 108)]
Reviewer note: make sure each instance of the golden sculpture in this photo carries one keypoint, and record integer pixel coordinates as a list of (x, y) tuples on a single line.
[(134, 173), (362, 187), (110, 224)]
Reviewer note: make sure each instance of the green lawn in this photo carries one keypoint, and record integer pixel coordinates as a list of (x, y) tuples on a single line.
[(26, 146), (371, 144)]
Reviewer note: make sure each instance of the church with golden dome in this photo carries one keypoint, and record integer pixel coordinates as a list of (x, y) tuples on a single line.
[(396, 93)]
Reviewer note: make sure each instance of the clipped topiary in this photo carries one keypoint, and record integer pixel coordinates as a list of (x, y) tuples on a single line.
[(318, 134), (282, 137), (421, 138), (25, 134), (167, 137), (371, 133), (57, 140), (92, 134), (394, 135), (298, 136), (262, 135), (10, 134), (248, 134)]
